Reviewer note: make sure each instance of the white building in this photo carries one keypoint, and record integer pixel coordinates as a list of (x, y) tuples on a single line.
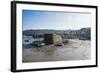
[(29, 39)]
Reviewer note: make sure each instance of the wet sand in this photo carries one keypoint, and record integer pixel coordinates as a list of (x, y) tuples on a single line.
[(74, 50)]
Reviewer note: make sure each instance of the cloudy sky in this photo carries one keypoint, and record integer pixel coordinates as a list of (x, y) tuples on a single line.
[(32, 19)]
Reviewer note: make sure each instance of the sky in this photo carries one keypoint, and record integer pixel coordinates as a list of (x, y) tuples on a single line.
[(32, 19)]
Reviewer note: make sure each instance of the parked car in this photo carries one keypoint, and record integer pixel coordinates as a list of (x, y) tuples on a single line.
[(38, 43), (83, 38), (65, 41), (59, 44)]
